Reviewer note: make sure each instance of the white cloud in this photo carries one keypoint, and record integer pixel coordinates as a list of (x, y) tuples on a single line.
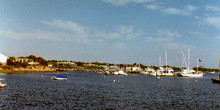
[(213, 21), (164, 36), (126, 2), (159, 39), (128, 32), (187, 10), (212, 8), (168, 33), (35, 34), (153, 6), (71, 31), (72, 26)]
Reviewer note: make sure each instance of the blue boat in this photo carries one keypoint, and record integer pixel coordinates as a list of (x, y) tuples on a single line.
[(60, 77)]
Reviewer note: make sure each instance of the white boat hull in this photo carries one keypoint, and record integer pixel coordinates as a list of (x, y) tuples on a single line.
[(191, 75), (153, 74), (55, 78), (2, 85)]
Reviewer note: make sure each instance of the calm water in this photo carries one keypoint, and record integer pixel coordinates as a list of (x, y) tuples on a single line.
[(87, 90)]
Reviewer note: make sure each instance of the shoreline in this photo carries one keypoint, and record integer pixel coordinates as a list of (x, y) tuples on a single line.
[(26, 70)]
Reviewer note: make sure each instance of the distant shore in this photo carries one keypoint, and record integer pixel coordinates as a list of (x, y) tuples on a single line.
[(27, 70)]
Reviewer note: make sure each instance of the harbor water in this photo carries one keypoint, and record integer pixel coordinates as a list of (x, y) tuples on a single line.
[(87, 90)]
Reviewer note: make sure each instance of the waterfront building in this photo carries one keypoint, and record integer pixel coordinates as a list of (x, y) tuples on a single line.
[(133, 69), (3, 58)]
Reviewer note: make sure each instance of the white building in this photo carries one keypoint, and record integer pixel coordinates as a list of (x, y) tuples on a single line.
[(133, 69), (3, 58)]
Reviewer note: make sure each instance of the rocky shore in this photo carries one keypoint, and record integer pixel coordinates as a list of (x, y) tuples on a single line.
[(27, 70)]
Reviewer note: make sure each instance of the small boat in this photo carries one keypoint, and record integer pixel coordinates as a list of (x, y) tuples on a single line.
[(60, 77), (215, 80), (120, 72), (2, 84), (149, 71)]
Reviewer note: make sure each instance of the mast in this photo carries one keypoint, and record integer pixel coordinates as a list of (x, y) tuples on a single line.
[(166, 59), (184, 60), (180, 60), (159, 60), (188, 60)]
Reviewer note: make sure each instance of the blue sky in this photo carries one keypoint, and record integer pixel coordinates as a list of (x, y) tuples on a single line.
[(115, 31)]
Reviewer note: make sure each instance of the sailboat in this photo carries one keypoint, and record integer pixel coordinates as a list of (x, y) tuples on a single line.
[(60, 77), (167, 71), (217, 80), (188, 72)]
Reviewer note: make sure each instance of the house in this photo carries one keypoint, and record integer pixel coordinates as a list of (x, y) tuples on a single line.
[(3, 58), (30, 62), (133, 69), (61, 64)]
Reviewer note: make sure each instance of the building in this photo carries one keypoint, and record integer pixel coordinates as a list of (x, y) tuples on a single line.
[(26, 60), (133, 69), (3, 58)]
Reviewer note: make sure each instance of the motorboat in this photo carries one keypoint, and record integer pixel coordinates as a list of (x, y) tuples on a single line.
[(151, 71), (120, 72)]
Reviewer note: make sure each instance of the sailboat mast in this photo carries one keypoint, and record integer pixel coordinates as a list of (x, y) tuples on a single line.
[(188, 59), (166, 58), (159, 60)]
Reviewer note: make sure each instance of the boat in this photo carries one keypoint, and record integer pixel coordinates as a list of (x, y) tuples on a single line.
[(120, 72), (151, 71), (215, 80), (60, 77), (168, 71), (2, 84), (188, 72)]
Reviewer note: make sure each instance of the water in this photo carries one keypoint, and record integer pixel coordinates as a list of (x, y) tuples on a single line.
[(87, 90)]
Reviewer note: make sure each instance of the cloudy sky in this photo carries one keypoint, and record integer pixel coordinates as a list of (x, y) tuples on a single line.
[(115, 31)]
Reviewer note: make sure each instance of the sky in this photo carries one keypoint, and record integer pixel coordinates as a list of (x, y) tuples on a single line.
[(113, 31)]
